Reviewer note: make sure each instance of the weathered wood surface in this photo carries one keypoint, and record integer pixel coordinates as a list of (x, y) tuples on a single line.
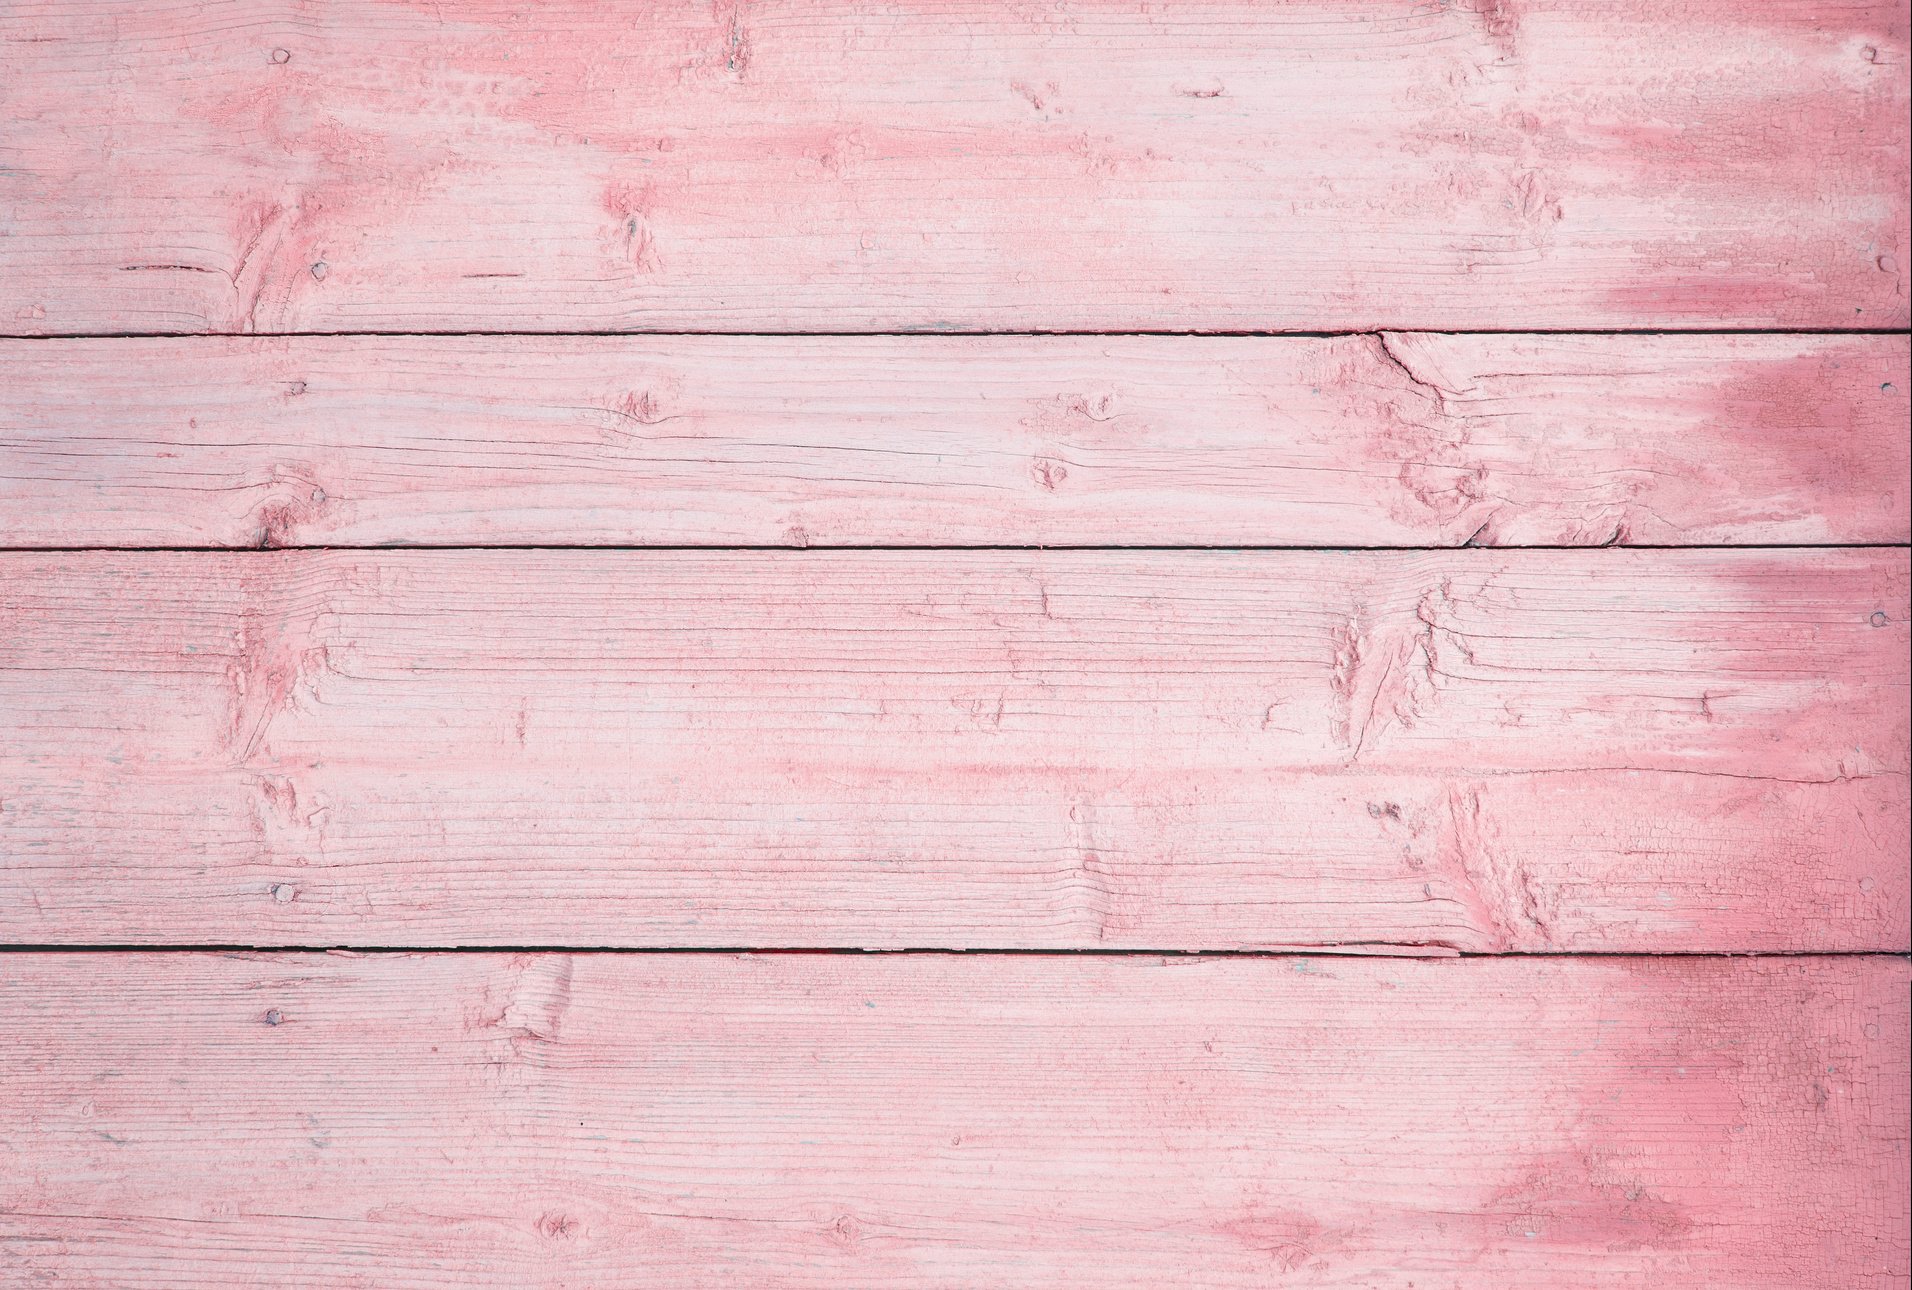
[(1396, 439), (802, 1121), (270, 165), (1614, 750)]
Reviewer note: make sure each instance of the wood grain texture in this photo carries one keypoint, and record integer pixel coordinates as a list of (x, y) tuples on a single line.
[(1601, 750), (772, 165), (1396, 439), (409, 1123)]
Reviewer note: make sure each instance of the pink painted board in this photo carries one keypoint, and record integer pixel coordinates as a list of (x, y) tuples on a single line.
[(808, 1122), (1390, 440), (1475, 750), (1553, 822), (801, 165)]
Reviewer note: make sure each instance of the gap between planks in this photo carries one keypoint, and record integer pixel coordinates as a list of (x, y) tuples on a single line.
[(820, 547), (955, 333), (1366, 951)]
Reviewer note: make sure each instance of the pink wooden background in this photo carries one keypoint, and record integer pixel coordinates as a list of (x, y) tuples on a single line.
[(1330, 582)]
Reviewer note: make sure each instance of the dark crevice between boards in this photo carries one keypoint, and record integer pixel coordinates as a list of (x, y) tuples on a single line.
[(960, 332), (794, 548), (1351, 950)]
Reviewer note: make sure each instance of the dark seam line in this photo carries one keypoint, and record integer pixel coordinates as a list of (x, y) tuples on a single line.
[(958, 332), (718, 547), (1367, 950)]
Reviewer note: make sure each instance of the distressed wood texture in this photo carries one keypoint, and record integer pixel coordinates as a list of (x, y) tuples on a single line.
[(1591, 750), (770, 165), (799, 1121), (1401, 439)]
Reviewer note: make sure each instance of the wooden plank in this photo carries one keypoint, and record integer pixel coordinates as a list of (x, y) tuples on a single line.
[(265, 165), (1594, 750), (907, 1121), (1387, 440)]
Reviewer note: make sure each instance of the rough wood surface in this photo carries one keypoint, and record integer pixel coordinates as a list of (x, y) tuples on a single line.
[(1612, 750), (273, 165), (797, 1121), (1385, 440)]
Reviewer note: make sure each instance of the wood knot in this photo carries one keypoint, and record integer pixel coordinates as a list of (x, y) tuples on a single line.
[(1049, 474), (642, 407), (845, 1231), (558, 1227)]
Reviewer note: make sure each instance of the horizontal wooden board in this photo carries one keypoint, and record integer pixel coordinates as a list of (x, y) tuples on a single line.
[(1371, 440), (415, 1122), (269, 165), (1590, 750)]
